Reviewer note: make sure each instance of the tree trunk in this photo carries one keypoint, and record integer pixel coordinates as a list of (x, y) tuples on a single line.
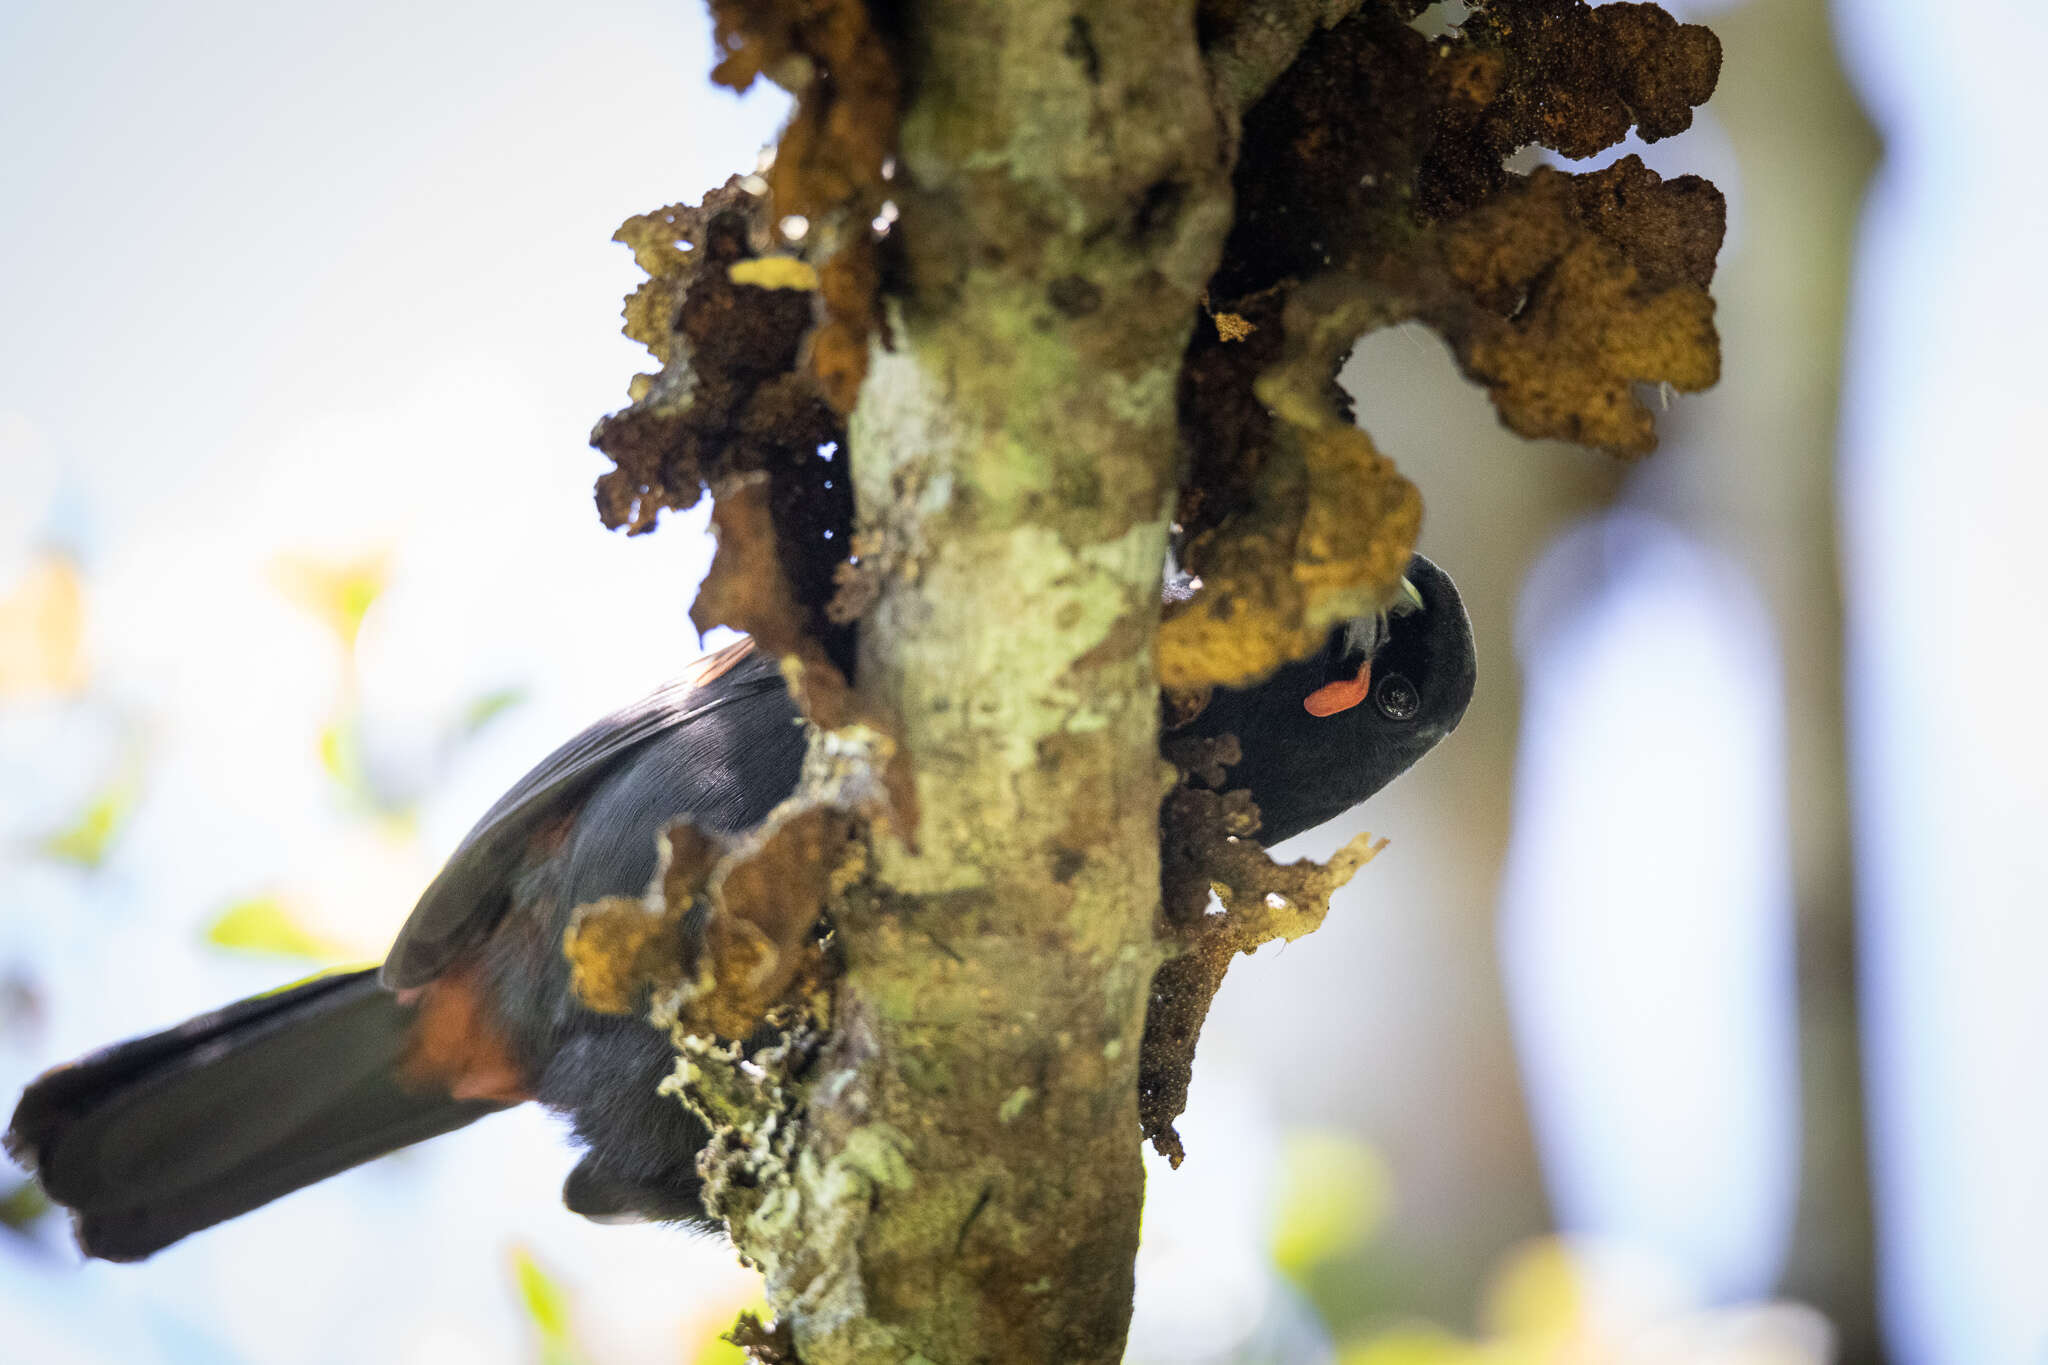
[(1807, 154), (1064, 193)]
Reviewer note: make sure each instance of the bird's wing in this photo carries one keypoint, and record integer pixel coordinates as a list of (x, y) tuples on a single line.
[(469, 895)]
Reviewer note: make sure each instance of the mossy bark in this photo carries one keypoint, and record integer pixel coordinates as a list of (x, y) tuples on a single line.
[(971, 1164)]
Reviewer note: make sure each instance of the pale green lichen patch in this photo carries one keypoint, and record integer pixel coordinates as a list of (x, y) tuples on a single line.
[(1019, 1100)]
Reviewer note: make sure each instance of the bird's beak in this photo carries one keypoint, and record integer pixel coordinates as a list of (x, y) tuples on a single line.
[(1345, 693), (1406, 598)]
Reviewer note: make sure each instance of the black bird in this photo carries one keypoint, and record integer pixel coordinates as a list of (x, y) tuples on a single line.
[(156, 1138), (1322, 735)]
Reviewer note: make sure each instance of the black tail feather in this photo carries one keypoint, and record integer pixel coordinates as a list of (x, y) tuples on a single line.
[(156, 1138)]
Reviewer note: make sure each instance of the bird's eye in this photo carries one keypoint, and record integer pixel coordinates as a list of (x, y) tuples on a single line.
[(1396, 697)]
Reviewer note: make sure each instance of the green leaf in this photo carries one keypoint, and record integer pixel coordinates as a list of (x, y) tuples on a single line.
[(486, 708), (716, 1350), (1335, 1193), (339, 592), (89, 837), (547, 1307), (719, 1351), (21, 1206), (266, 924), (341, 756)]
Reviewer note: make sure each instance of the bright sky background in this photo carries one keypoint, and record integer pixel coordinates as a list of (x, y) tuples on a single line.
[(281, 280), (1945, 469), (1647, 957)]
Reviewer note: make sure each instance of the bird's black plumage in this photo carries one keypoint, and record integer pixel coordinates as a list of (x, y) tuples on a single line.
[(156, 1138), (1304, 769)]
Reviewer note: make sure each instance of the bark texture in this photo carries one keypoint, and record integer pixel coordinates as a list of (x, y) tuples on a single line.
[(1064, 184)]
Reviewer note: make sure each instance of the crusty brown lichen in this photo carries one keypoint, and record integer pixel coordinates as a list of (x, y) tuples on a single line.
[(763, 1344), (621, 947), (734, 410), (1560, 74), (1208, 840), (759, 306), (731, 401), (1562, 320), (831, 159), (722, 402), (1371, 191), (1339, 523), (766, 898), (730, 928)]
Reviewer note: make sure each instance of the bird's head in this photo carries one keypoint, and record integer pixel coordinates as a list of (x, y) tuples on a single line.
[(1326, 732)]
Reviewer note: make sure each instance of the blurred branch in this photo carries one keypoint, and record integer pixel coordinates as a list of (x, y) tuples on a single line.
[(1808, 153)]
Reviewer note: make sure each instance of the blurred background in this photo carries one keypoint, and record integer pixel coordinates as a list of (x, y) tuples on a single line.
[(1692, 1015)]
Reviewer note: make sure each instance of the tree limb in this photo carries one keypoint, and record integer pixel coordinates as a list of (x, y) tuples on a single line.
[(1063, 191), (1262, 39)]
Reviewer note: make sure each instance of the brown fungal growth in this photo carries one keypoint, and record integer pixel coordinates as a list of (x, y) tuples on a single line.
[(748, 588), (730, 404), (1560, 321), (733, 409), (1562, 294), (831, 56), (1209, 846), (764, 1345), (765, 897), (621, 947), (750, 943), (831, 159), (1565, 75), (1339, 519), (722, 402)]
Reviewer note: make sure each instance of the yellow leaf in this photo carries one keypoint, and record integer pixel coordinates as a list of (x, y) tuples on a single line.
[(773, 272), (1540, 1292), (337, 758), (42, 631), (311, 977), (89, 837), (1415, 1345), (484, 709), (719, 1351), (341, 758), (709, 1329), (339, 592), (1335, 1194), (265, 924)]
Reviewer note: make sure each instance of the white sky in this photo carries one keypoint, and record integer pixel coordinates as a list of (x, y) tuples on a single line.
[(278, 278)]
